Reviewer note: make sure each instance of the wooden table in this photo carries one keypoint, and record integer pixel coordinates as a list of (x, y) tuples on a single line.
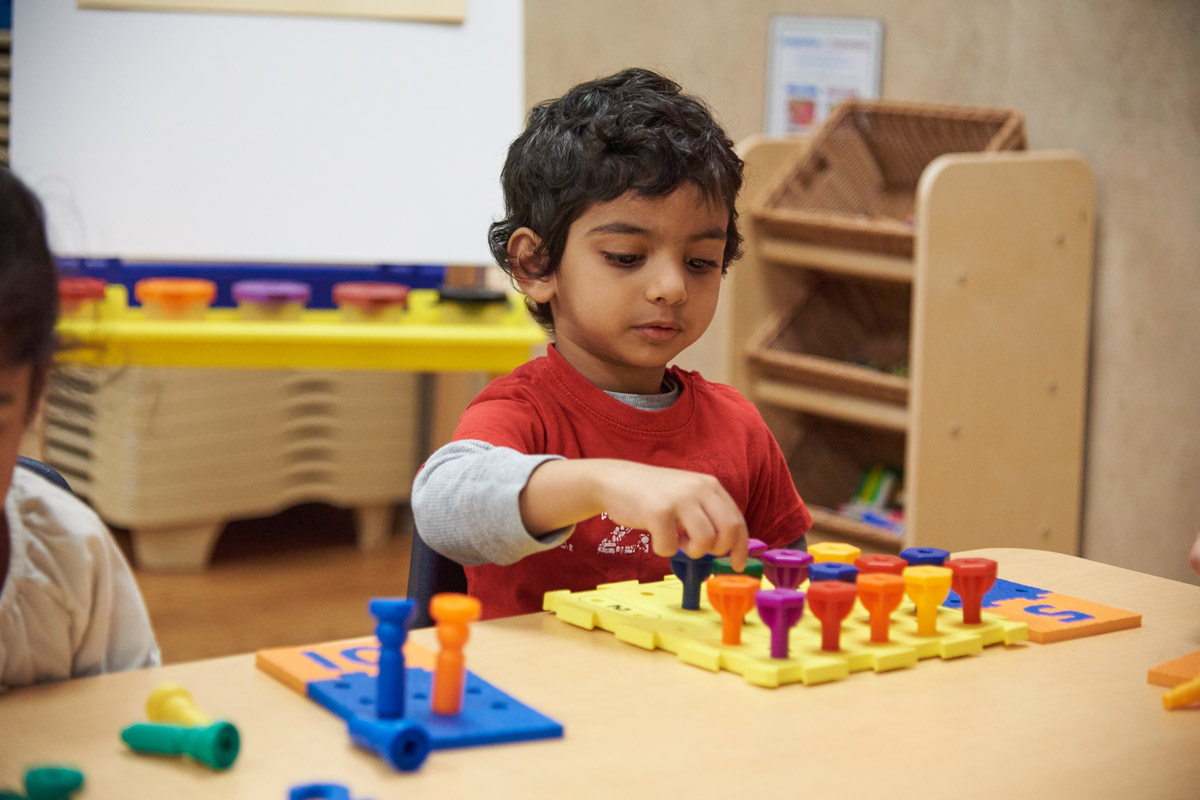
[(1074, 719)]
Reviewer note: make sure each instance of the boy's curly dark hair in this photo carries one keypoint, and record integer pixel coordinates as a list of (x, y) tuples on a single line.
[(632, 131), (28, 277)]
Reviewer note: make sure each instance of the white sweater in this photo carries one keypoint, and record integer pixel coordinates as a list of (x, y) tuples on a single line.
[(70, 606)]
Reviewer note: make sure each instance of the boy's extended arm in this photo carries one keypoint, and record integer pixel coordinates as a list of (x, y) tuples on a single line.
[(477, 504), (683, 510), (465, 504)]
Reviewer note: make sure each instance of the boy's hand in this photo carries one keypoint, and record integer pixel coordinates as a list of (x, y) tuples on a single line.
[(681, 510)]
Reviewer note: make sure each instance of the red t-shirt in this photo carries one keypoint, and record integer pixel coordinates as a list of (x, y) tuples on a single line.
[(545, 406)]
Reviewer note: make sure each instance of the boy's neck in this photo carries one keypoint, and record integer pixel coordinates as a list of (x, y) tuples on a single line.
[(610, 377)]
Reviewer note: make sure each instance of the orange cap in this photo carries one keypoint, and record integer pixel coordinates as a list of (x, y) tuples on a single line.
[(175, 291)]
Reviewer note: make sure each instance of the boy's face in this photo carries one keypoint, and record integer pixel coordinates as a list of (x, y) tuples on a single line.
[(638, 283), (15, 386)]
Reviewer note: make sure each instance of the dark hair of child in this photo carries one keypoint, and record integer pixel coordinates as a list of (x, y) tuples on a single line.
[(632, 131), (28, 279)]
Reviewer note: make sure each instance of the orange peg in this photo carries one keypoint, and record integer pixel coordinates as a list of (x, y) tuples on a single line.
[(732, 596), (453, 614), (928, 587), (880, 593)]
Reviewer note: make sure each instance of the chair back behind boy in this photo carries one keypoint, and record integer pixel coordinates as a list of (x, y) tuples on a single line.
[(45, 470)]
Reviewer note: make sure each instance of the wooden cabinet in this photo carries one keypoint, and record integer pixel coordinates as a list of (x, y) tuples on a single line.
[(964, 365)]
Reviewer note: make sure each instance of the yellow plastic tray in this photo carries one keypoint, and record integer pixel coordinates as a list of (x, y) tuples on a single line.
[(433, 337)]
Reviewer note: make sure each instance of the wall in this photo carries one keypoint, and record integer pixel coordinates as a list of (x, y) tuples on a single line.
[(1114, 80), (214, 136)]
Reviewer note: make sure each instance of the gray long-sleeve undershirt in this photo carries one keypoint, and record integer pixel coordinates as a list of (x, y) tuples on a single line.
[(466, 499)]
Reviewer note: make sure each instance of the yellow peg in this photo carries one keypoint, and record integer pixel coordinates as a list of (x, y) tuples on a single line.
[(834, 551), (1185, 694), (170, 702), (928, 587)]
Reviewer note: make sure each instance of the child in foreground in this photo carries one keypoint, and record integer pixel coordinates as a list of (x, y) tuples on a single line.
[(69, 605), (596, 462)]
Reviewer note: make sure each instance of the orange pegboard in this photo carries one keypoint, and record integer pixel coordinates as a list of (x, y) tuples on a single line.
[(1176, 671)]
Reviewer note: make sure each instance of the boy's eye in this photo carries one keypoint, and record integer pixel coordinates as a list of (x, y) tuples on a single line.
[(623, 259), (701, 264)]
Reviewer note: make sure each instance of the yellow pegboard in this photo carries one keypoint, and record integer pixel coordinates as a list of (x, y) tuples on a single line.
[(432, 337), (650, 616)]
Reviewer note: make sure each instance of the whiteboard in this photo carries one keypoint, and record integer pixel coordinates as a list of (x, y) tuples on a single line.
[(200, 136)]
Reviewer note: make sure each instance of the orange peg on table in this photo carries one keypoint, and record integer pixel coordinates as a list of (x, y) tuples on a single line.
[(733, 597), (880, 593), (453, 614)]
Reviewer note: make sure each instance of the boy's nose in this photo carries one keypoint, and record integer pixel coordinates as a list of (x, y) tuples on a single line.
[(668, 284)]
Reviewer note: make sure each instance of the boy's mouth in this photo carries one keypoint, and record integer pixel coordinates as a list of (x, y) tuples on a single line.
[(658, 332)]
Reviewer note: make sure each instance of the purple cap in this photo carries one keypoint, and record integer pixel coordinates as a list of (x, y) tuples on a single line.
[(271, 291)]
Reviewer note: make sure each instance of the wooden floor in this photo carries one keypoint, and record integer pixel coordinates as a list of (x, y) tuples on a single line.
[(296, 578)]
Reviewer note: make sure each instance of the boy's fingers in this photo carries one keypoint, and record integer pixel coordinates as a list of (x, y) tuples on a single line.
[(731, 536), (664, 540), (699, 531)]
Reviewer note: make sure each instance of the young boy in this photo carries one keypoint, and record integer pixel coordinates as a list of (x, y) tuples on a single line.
[(69, 605), (598, 461)]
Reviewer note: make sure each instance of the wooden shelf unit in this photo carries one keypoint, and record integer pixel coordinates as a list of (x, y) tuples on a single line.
[(991, 314)]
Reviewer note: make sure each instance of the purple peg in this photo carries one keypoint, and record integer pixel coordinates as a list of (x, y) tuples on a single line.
[(756, 547), (786, 569), (780, 610)]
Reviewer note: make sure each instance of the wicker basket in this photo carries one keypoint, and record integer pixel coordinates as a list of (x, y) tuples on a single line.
[(827, 459), (843, 336), (855, 186)]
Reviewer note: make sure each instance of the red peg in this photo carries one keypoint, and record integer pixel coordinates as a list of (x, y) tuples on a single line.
[(879, 562), (831, 602), (973, 578), (733, 597), (880, 593)]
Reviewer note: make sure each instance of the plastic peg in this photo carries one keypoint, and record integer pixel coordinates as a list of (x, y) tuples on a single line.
[(928, 587), (834, 551), (733, 597), (973, 578), (832, 571), (879, 562), (722, 566), (52, 782), (170, 702), (780, 610), (1185, 694), (831, 602), (692, 571), (925, 556), (453, 614), (392, 616), (755, 547), (402, 743), (214, 745), (786, 569), (880, 593), (319, 791)]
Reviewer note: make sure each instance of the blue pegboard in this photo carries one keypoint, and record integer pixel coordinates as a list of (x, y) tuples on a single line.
[(1001, 590), (488, 715), (320, 277)]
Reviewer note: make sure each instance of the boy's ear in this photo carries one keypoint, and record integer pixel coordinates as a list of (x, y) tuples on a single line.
[(527, 265)]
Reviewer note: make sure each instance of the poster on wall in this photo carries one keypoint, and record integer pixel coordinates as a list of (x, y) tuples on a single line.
[(814, 63), (453, 11)]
